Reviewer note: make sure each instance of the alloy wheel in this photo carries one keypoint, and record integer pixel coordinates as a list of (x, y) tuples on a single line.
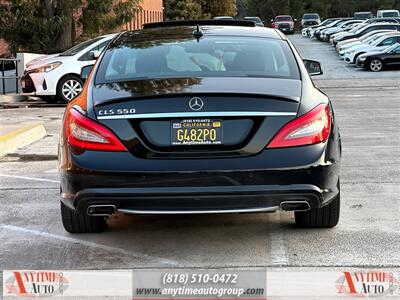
[(376, 65), (71, 88)]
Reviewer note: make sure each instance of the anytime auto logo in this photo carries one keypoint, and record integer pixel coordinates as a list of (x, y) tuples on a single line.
[(36, 283), (367, 284)]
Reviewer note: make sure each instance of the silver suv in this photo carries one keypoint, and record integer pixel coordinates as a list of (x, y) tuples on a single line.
[(310, 19)]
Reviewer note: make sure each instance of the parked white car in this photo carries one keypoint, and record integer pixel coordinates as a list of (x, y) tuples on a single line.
[(59, 74), (365, 40), (377, 45), (362, 39)]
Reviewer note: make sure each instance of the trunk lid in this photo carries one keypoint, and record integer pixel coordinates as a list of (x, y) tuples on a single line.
[(143, 113)]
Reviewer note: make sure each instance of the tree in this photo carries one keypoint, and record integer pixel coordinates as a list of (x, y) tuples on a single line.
[(213, 8), (49, 25), (101, 16), (198, 9), (182, 9)]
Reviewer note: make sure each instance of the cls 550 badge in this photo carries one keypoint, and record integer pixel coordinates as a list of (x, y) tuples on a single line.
[(119, 111)]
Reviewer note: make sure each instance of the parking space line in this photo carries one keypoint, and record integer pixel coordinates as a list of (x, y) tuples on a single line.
[(346, 68), (29, 178), (90, 244), (279, 256)]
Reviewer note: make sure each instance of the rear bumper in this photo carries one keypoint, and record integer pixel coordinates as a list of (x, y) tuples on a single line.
[(250, 184), (286, 30), (220, 199)]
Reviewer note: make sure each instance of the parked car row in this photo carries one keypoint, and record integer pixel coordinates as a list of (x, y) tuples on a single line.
[(58, 75), (372, 43), (284, 23)]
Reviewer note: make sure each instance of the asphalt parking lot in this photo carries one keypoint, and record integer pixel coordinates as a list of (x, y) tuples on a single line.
[(368, 235)]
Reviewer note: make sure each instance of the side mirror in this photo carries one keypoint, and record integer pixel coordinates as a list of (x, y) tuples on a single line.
[(313, 67), (85, 72), (94, 55)]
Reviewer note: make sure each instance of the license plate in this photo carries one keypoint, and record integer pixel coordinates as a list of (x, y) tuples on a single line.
[(196, 132)]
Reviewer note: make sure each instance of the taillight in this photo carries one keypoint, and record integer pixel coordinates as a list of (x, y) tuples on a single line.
[(311, 128), (85, 133)]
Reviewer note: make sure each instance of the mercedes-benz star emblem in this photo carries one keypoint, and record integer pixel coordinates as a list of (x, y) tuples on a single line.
[(196, 103)]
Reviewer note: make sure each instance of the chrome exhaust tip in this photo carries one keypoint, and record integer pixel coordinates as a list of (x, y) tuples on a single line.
[(295, 206), (101, 210)]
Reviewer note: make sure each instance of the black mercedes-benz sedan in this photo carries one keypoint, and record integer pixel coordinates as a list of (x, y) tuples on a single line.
[(199, 117), (378, 61)]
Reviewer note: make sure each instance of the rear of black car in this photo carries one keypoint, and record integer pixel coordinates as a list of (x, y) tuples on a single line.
[(225, 121)]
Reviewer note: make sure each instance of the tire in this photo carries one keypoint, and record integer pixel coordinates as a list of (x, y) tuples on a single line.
[(74, 222), (324, 217), (69, 87), (375, 65)]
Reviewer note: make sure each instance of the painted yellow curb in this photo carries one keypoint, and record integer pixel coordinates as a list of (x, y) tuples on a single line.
[(21, 137)]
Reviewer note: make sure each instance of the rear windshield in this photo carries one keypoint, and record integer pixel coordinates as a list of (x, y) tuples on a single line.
[(216, 56), (310, 16), (284, 19), (363, 15), (255, 19), (390, 14)]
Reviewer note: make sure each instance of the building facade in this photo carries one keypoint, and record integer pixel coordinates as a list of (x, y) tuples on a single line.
[(152, 11), (4, 51)]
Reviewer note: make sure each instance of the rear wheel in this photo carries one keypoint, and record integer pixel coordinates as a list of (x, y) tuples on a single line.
[(74, 222), (376, 65), (324, 217)]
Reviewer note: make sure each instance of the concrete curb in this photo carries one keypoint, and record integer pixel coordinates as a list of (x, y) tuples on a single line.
[(21, 137)]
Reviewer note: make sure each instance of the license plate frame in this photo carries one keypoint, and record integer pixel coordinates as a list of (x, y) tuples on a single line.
[(196, 132)]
